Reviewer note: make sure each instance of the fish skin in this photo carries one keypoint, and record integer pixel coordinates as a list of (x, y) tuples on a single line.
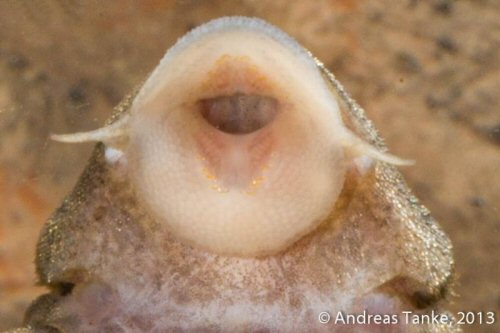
[(101, 247)]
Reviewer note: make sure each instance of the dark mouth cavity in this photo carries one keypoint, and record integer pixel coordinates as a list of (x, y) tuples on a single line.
[(239, 113)]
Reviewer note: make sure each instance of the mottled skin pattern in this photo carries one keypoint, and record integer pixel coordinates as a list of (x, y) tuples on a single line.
[(112, 268)]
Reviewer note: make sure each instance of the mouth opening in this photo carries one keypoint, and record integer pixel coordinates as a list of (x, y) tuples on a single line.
[(239, 113)]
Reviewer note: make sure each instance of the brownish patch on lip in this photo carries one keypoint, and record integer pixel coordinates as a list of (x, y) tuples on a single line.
[(235, 74), (236, 97)]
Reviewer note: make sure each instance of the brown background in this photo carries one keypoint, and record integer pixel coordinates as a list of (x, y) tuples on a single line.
[(427, 73)]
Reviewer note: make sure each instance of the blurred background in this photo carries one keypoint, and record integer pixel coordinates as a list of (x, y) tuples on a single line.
[(427, 72)]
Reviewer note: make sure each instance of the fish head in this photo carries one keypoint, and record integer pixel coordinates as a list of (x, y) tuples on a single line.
[(239, 189)]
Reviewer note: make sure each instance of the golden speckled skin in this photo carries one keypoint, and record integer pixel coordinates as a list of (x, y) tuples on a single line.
[(112, 268)]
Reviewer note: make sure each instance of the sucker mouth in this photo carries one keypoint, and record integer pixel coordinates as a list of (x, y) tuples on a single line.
[(239, 113)]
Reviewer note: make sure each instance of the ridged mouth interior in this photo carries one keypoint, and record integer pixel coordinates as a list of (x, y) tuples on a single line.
[(239, 113)]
